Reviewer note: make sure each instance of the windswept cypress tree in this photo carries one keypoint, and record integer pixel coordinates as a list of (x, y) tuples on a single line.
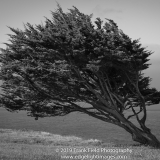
[(47, 69)]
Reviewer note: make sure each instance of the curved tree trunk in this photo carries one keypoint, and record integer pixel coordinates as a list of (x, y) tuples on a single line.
[(146, 139), (141, 136)]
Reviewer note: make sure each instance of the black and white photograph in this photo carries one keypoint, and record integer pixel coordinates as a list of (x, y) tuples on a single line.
[(79, 79)]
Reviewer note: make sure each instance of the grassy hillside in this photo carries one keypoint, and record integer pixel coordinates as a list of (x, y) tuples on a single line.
[(30, 145), (79, 125)]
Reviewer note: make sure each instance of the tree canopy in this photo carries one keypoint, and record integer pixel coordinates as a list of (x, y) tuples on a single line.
[(48, 69)]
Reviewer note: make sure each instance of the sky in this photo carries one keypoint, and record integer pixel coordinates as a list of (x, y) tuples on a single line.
[(137, 19)]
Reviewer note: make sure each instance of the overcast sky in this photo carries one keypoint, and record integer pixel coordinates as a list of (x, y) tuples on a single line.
[(137, 18)]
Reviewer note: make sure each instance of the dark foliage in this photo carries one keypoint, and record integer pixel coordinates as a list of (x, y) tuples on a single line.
[(48, 69)]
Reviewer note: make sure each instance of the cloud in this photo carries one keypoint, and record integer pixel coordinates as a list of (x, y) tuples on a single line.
[(99, 11), (110, 10)]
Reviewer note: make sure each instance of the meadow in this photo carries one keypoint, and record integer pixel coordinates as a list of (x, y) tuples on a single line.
[(59, 138), (31, 145), (77, 124)]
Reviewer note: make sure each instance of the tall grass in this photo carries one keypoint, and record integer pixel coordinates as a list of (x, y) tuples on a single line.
[(31, 145)]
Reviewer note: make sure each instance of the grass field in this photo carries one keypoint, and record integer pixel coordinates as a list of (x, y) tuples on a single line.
[(76, 124), (32, 145)]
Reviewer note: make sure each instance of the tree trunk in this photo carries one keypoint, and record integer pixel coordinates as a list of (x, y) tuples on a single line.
[(141, 136), (146, 139)]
